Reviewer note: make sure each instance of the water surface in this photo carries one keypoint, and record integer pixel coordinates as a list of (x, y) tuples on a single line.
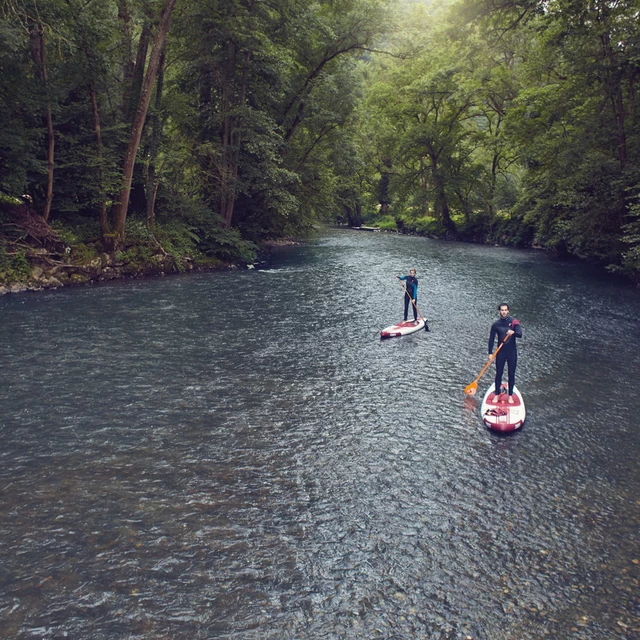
[(238, 455)]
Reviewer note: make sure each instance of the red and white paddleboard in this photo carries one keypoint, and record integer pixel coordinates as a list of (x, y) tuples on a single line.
[(402, 328), (498, 414)]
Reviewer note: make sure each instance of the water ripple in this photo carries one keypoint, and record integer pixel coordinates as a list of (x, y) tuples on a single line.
[(238, 455)]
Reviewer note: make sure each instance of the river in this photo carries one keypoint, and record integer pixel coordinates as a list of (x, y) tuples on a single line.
[(238, 455)]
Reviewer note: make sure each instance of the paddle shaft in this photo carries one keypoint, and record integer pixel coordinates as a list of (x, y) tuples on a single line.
[(492, 357), (412, 302)]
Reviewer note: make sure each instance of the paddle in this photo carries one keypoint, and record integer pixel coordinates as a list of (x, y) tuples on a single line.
[(471, 389), (426, 326)]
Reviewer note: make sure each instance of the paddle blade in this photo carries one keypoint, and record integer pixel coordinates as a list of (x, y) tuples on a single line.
[(471, 389)]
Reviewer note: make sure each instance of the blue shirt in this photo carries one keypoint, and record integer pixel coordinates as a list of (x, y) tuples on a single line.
[(412, 286)]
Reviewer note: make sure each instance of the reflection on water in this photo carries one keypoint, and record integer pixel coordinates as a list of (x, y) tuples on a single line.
[(238, 455)]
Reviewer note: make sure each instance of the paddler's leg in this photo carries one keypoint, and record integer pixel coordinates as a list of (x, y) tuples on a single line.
[(500, 360), (512, 362), (406, 306)]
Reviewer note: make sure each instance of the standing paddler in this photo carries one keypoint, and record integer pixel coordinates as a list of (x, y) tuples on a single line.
[(506, 329), (411, 294)]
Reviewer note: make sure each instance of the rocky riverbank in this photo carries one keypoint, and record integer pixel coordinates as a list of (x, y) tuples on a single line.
[(35, 257), (47, 273)]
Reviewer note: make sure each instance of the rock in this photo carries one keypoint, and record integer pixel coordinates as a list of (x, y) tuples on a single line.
[(3, 290), (52, 283), (17, 288), (77, 278), (36, 273)]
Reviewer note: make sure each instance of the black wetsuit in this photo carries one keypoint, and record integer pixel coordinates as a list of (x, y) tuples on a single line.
[(411, 283), (509, 351)]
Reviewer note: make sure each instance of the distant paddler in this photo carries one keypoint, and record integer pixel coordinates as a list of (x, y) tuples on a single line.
[(411, 295)]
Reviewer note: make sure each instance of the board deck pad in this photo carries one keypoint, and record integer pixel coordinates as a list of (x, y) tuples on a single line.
[(402, 328), (498, 414)]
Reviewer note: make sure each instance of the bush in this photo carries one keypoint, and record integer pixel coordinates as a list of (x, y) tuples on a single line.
[(82, 253), (201, 231), (388, 223), (13, 268), (78, 231), (426, 226)]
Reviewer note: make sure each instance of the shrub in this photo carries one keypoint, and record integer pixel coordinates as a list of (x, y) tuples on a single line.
[(388, 223), (13, 268), (82, 253), (424, 226)]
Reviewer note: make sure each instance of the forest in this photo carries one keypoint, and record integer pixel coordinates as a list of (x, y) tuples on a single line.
[(164, 135)]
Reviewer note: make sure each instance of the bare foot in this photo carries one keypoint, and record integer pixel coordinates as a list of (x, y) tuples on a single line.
[(496, 397), (510, 399)]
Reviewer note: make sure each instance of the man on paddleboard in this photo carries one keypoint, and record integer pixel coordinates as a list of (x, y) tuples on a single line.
[(411, 284), (505, 327)]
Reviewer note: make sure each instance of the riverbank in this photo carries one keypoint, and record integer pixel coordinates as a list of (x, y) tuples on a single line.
[(503, 235), (47, 272), (60, 262), (35, 256)]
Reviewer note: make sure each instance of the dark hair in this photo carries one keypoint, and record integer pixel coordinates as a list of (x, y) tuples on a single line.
[(504, 304)]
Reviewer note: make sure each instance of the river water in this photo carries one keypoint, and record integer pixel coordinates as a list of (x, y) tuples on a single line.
[(238, 455)]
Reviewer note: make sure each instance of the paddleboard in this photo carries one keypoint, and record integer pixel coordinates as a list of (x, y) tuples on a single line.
[(498, 414), (402, 328)]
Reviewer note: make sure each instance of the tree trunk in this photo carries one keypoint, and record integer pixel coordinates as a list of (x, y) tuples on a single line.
[(619, 111), (124, 16), (612, 81), (441, 204), (138, 70), (354, 214), (232, 139), (225, 136), (384, 199), (104, 223), (151, 187), (121, 207), (152, 206), (39, 58)]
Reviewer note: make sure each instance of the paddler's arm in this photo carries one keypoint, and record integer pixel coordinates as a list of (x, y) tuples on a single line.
[(517, 328), (492, 337)]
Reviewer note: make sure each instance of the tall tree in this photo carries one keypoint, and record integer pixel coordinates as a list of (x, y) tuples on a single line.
[(121, 207), (38, 53)]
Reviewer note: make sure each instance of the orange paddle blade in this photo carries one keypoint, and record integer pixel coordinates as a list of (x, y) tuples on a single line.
[(471, 389)]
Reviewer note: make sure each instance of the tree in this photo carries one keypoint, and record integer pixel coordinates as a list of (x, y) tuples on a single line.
[(121, 207)]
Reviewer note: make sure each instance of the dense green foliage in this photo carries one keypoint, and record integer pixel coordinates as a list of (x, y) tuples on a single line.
[(510, 121), (516, 122), (241, 131)]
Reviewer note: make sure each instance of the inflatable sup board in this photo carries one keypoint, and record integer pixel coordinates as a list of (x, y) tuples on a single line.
[(402, 328), (498, 414)]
